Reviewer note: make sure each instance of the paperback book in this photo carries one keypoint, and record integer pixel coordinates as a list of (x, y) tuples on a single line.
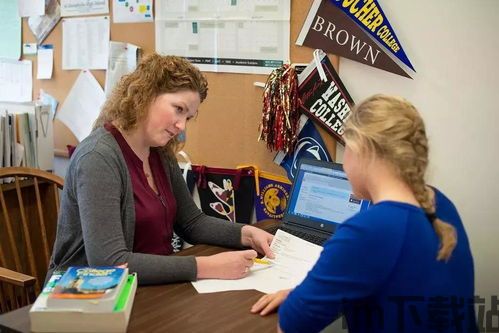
[(45, 318), (92, 289)]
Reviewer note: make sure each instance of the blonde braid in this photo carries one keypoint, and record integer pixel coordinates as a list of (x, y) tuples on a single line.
[(414, 174), (391, 128)]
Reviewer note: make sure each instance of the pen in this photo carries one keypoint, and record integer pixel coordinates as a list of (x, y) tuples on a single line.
[(261, 261)]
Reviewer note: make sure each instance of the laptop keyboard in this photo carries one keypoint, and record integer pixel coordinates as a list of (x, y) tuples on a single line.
[(316, 239)]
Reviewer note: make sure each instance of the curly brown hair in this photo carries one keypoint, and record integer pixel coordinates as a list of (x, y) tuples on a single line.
[(129, 102)]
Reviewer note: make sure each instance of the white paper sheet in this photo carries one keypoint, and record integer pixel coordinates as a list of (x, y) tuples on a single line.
[(16, 81), (85, 43), (45, 62), (31, 8), (122, 60), (84, 7), (132, 12), (249, 36), (294, 258), (82, 105)]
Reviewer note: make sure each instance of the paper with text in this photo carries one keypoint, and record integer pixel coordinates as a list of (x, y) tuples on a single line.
[(123, 59), (84, 7), (294, 258), (132, 12), (16, 81), (85, 42), (82, 105), (249, 36)]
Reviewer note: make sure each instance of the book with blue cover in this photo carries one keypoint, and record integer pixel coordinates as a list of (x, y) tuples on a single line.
[(88, 288), (48, 319)]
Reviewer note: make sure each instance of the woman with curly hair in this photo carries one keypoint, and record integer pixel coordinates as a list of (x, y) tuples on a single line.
[(124, 194)]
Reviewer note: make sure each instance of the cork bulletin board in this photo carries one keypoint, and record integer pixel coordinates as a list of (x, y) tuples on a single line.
[(225, 132)]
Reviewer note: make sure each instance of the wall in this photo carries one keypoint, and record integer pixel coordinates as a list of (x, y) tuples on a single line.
[(453, 45)]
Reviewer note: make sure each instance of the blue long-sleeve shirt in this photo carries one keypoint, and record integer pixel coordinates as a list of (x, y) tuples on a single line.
[(380, 271)]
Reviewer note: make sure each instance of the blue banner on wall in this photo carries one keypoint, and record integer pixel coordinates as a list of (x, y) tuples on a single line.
[(271, 197), (309, 145)]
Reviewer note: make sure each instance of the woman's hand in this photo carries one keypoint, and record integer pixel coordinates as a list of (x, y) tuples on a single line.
[(270, 302), (226, 265), (257, 239)]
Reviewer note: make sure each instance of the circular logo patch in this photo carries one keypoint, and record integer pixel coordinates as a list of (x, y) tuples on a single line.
[(274, 198)]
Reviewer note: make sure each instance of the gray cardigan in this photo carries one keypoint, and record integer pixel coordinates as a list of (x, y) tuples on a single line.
[(96, 223)]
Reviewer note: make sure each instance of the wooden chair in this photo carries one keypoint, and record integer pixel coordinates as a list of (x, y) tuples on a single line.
[(29, 206)]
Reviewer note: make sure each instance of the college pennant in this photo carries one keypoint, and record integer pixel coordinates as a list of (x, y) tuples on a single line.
[(226, 193), (309, 145), (328, 27), (271, 197), (370, 17), (323, 95)]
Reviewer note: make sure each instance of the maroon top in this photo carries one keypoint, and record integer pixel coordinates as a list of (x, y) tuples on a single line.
[(154, 213)]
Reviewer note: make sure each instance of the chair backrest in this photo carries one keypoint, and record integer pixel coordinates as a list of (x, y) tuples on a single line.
[(29, 206)]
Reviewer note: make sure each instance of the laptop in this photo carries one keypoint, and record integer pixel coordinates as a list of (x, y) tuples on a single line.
[(321, 199)]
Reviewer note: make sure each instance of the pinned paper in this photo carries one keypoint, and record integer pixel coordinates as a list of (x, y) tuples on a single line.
[(82, 105), (45, 61), (16, 84), (29, 48), (85, 42), (83, 7), (29, 8), (123, 58), (132, 11)]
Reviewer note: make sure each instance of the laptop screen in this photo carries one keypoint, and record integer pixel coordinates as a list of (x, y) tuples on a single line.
[(322, 193)]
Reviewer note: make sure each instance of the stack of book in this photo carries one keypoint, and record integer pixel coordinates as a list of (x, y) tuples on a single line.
[(85, 299), (26, 136)]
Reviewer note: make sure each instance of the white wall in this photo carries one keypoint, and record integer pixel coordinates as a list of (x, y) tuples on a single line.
[(60, 166), (454, 46)]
